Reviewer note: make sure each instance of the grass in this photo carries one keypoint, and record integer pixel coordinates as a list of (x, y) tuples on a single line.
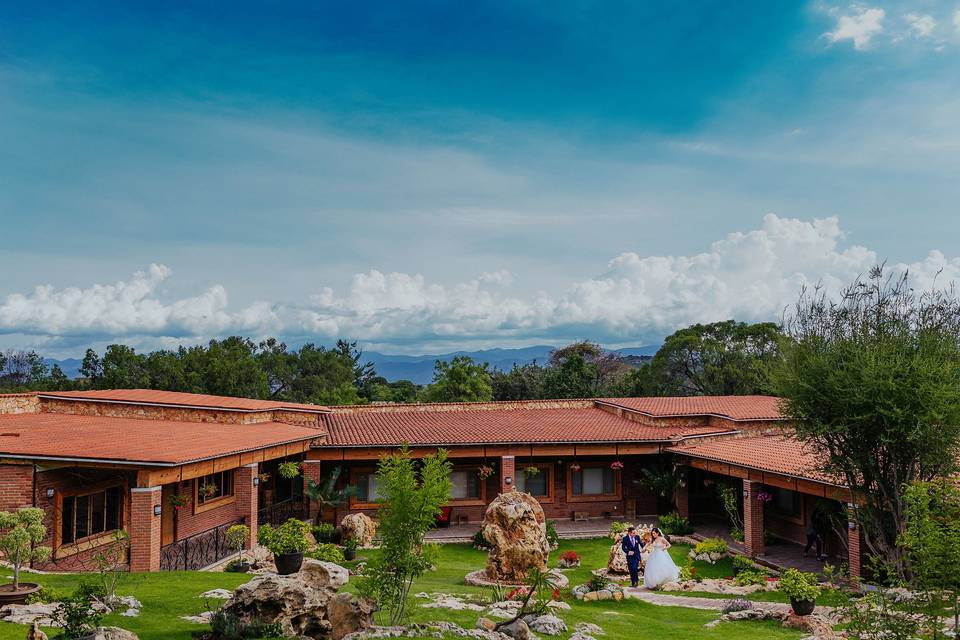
[(168, 595)]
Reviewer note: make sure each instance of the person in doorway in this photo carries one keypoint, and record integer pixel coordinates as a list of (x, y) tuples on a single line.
[(632, 546), (814, 530)]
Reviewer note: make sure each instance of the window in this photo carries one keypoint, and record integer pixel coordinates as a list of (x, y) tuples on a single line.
[(785, 502), (214, 487), (366, 484), (466, 485), (539, 485), (593, 481), (91, 514)]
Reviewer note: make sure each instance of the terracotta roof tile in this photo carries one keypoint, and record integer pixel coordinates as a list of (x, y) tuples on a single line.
[(465, 427), (742, 408), (176, 398), (54, 435), (775, 453)]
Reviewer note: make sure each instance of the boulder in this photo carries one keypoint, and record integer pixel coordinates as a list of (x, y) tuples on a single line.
[(301, 602), (588, 628), (518, 630), (548, 624), (360, 527), (110, 633), (515, 528), (40, 613)]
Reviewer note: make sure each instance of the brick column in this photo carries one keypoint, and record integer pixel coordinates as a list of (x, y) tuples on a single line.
[(311, 471), (144, 529), (16, 486), (507, 470), (752, 519), (247, 499), (683, 500), (853, 544)]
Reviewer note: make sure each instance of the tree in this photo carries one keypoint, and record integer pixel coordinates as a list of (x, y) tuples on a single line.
[(411, 496), (459, 380), (22, 370), (723, 358), (872, 383), (231, 369), (363, 372), (123, 368), (23, 531), (583, 370), (326, 494), (92, 368), (279, 365), (524, 382)]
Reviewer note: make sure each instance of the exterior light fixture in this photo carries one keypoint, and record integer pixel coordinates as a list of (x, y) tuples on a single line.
[(156, 509), (256, 481), (851, 525), (50, 493), (508, 480)]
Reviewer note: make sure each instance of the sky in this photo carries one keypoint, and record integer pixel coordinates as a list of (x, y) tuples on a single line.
[(430, 176)]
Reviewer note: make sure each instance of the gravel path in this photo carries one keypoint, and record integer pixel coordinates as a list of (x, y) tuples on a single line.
[(713, 604)]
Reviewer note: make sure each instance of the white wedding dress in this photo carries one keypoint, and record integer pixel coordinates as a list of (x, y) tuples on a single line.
[(660, 567)]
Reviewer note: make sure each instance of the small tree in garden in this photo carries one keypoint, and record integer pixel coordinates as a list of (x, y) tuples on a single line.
[(325, 493), (110, 562), (411, 496), (22, 531), (236, 538), (730, 497), (540, 589), (872, 383)]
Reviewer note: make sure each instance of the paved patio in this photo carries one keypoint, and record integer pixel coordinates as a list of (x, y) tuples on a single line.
[(781, 555)]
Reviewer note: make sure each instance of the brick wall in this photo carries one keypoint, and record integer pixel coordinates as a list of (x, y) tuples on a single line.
[(19, 403), (247, 500), (16, 486), (148, 412), (190, 522), (752, 519), (144, 529), (854, 544)]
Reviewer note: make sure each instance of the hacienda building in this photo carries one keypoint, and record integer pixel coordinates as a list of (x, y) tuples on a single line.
[(175, 470)]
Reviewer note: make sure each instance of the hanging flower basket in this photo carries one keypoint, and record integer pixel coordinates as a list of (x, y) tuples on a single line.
[(575, 467), (178, 501), (616, 465), (207, 491), (485, 471), (263, 478), (289, 470), (531, 471), (764, 497)]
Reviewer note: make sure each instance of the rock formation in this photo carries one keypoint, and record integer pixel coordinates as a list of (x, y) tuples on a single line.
[(304, 604), (360, 527), (617, 561), (515, 528)]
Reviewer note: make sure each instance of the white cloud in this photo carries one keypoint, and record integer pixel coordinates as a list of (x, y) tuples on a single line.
[(751, 275), (956, 19), (921, 26), (860, 26)]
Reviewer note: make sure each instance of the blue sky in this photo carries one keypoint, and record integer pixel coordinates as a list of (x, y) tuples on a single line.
[(426, 176)]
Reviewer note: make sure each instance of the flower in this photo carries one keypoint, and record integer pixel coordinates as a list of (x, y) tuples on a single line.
[(575, 467), (555, 595), (764, 497), (485, 471), (616, 464)]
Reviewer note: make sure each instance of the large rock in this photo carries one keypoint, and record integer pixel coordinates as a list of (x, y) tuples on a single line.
[(617, 560), (360, 527), (110, 633), (515, 528), (38, 613), (301, 603)]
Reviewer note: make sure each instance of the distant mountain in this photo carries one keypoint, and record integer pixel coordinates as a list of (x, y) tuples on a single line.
[(419, 369)]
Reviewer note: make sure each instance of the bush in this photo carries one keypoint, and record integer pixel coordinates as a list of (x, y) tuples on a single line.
[(750, 576), (737, 604), (326, 532), (327, 552), (597, 583), (46, 595), (570, 556), (290, 537), (76, 616), (711, 545), (617, 527), (742, 563), (688, 572), (289, 470), (553, 539), (799, 586), (479, 541), (226, 626), (674, 524), (736, 534)]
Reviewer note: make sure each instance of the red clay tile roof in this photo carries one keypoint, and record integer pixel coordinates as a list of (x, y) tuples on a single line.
[(55, 435), (743, 408), (484, 426), (176, 398), (774, 453)]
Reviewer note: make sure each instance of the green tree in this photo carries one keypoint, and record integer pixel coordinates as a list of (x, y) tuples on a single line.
[(23, 370), (872, 382), (459, 380), (723, 358), (279, 364), (524, 382), (22, 532), (322, 376), (232, 369), (363, 372), (411, 496), (124, 368), (326, 494), (92, 368), (166, 371)]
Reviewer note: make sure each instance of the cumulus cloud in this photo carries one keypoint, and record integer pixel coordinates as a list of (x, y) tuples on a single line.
[(956, 19), (751, 275), (860, 26), (921, 26)]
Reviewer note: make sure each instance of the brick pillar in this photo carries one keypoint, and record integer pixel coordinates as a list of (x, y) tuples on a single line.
[(311, 471), (16, 486), (247, 500), (683, 500), (144, 529), (752, 519), (853, 544), (507, 470)]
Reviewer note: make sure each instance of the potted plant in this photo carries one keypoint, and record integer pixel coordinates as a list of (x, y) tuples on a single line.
[(287, 543), (289, 470), (22, 531), (236, 538), (178, 501), (350, 549), (207, 491), (801, 588), (264, 478), (616, 465), (485, 471)]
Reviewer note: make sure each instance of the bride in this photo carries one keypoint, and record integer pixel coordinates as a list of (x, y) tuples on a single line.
[(660, 567)]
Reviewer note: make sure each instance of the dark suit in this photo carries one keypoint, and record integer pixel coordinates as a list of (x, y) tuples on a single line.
[(633, 561)]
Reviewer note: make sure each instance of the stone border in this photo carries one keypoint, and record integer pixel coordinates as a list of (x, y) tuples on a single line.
[(480, 579)]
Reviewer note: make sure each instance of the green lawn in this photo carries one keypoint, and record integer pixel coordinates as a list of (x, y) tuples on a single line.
[(165, 596)]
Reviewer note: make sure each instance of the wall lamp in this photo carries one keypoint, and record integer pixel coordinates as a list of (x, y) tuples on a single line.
[(50, 493), (508, 480), (256, 481), (157, 509)]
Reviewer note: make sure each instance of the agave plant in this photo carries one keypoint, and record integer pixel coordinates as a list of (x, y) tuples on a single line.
[(325, 493)]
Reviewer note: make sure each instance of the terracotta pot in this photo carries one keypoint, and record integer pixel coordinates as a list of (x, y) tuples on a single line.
[(288, 563), (9, 596), (802, 607)]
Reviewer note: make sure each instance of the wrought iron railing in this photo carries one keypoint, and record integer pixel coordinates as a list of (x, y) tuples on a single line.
[(280, 512), (197, 551)]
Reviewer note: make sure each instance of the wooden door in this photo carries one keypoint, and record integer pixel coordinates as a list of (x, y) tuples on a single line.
[(168, 522)]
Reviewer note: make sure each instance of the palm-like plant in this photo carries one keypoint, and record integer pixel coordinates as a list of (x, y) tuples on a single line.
[(325, 493)]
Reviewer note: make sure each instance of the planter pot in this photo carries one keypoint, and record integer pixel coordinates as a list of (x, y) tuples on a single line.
[(802, 607), (239, 567), (288, 563), (9, 596), (349, 554)]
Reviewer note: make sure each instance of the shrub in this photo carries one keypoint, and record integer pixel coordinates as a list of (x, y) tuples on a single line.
[(479, 541), (289, 470), (46, 595), (687, 572), (24, 530), (76, 616), (553, 539), (737, 604), (617, 527), (326, 532), (327, 552), (674, 524), (736, 534), (236, 538), (711, 545), (742, 563), (798, 585), (290, 537), (597, 583), (570, 556), (226, 626), (750, 576)]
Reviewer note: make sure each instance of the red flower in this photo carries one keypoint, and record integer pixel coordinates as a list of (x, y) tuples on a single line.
[(555, 595)]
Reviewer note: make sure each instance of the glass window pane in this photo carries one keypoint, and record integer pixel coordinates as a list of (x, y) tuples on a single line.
[(593, 481), (98, 504), (114, 509), (82, 517), (66, 520), (459, 480), (537, 485), (608, 478), (577, 482), (373, 489), (363, 488)]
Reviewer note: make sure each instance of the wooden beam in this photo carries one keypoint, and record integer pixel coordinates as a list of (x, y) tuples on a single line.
[(637, 449), (551, 450)]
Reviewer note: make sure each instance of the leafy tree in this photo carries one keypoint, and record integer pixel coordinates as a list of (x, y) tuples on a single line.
[(123, 368), (322, 376), (166, 371), (279, 365), (872, 382), (723, 358), (92, 367), (524, 382), (231, 369), (573, 377), (326, 494), (460, 380), (363, 372), (22, 370), (411, 496), (22, 532)]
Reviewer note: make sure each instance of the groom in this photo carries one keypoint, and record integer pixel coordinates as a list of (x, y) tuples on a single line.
[(632, 546)]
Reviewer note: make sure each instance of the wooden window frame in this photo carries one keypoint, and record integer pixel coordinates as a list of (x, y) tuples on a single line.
[(596, 497), (354, 503), (481, 482), (550, 470), (219, 501), (92, 541)]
